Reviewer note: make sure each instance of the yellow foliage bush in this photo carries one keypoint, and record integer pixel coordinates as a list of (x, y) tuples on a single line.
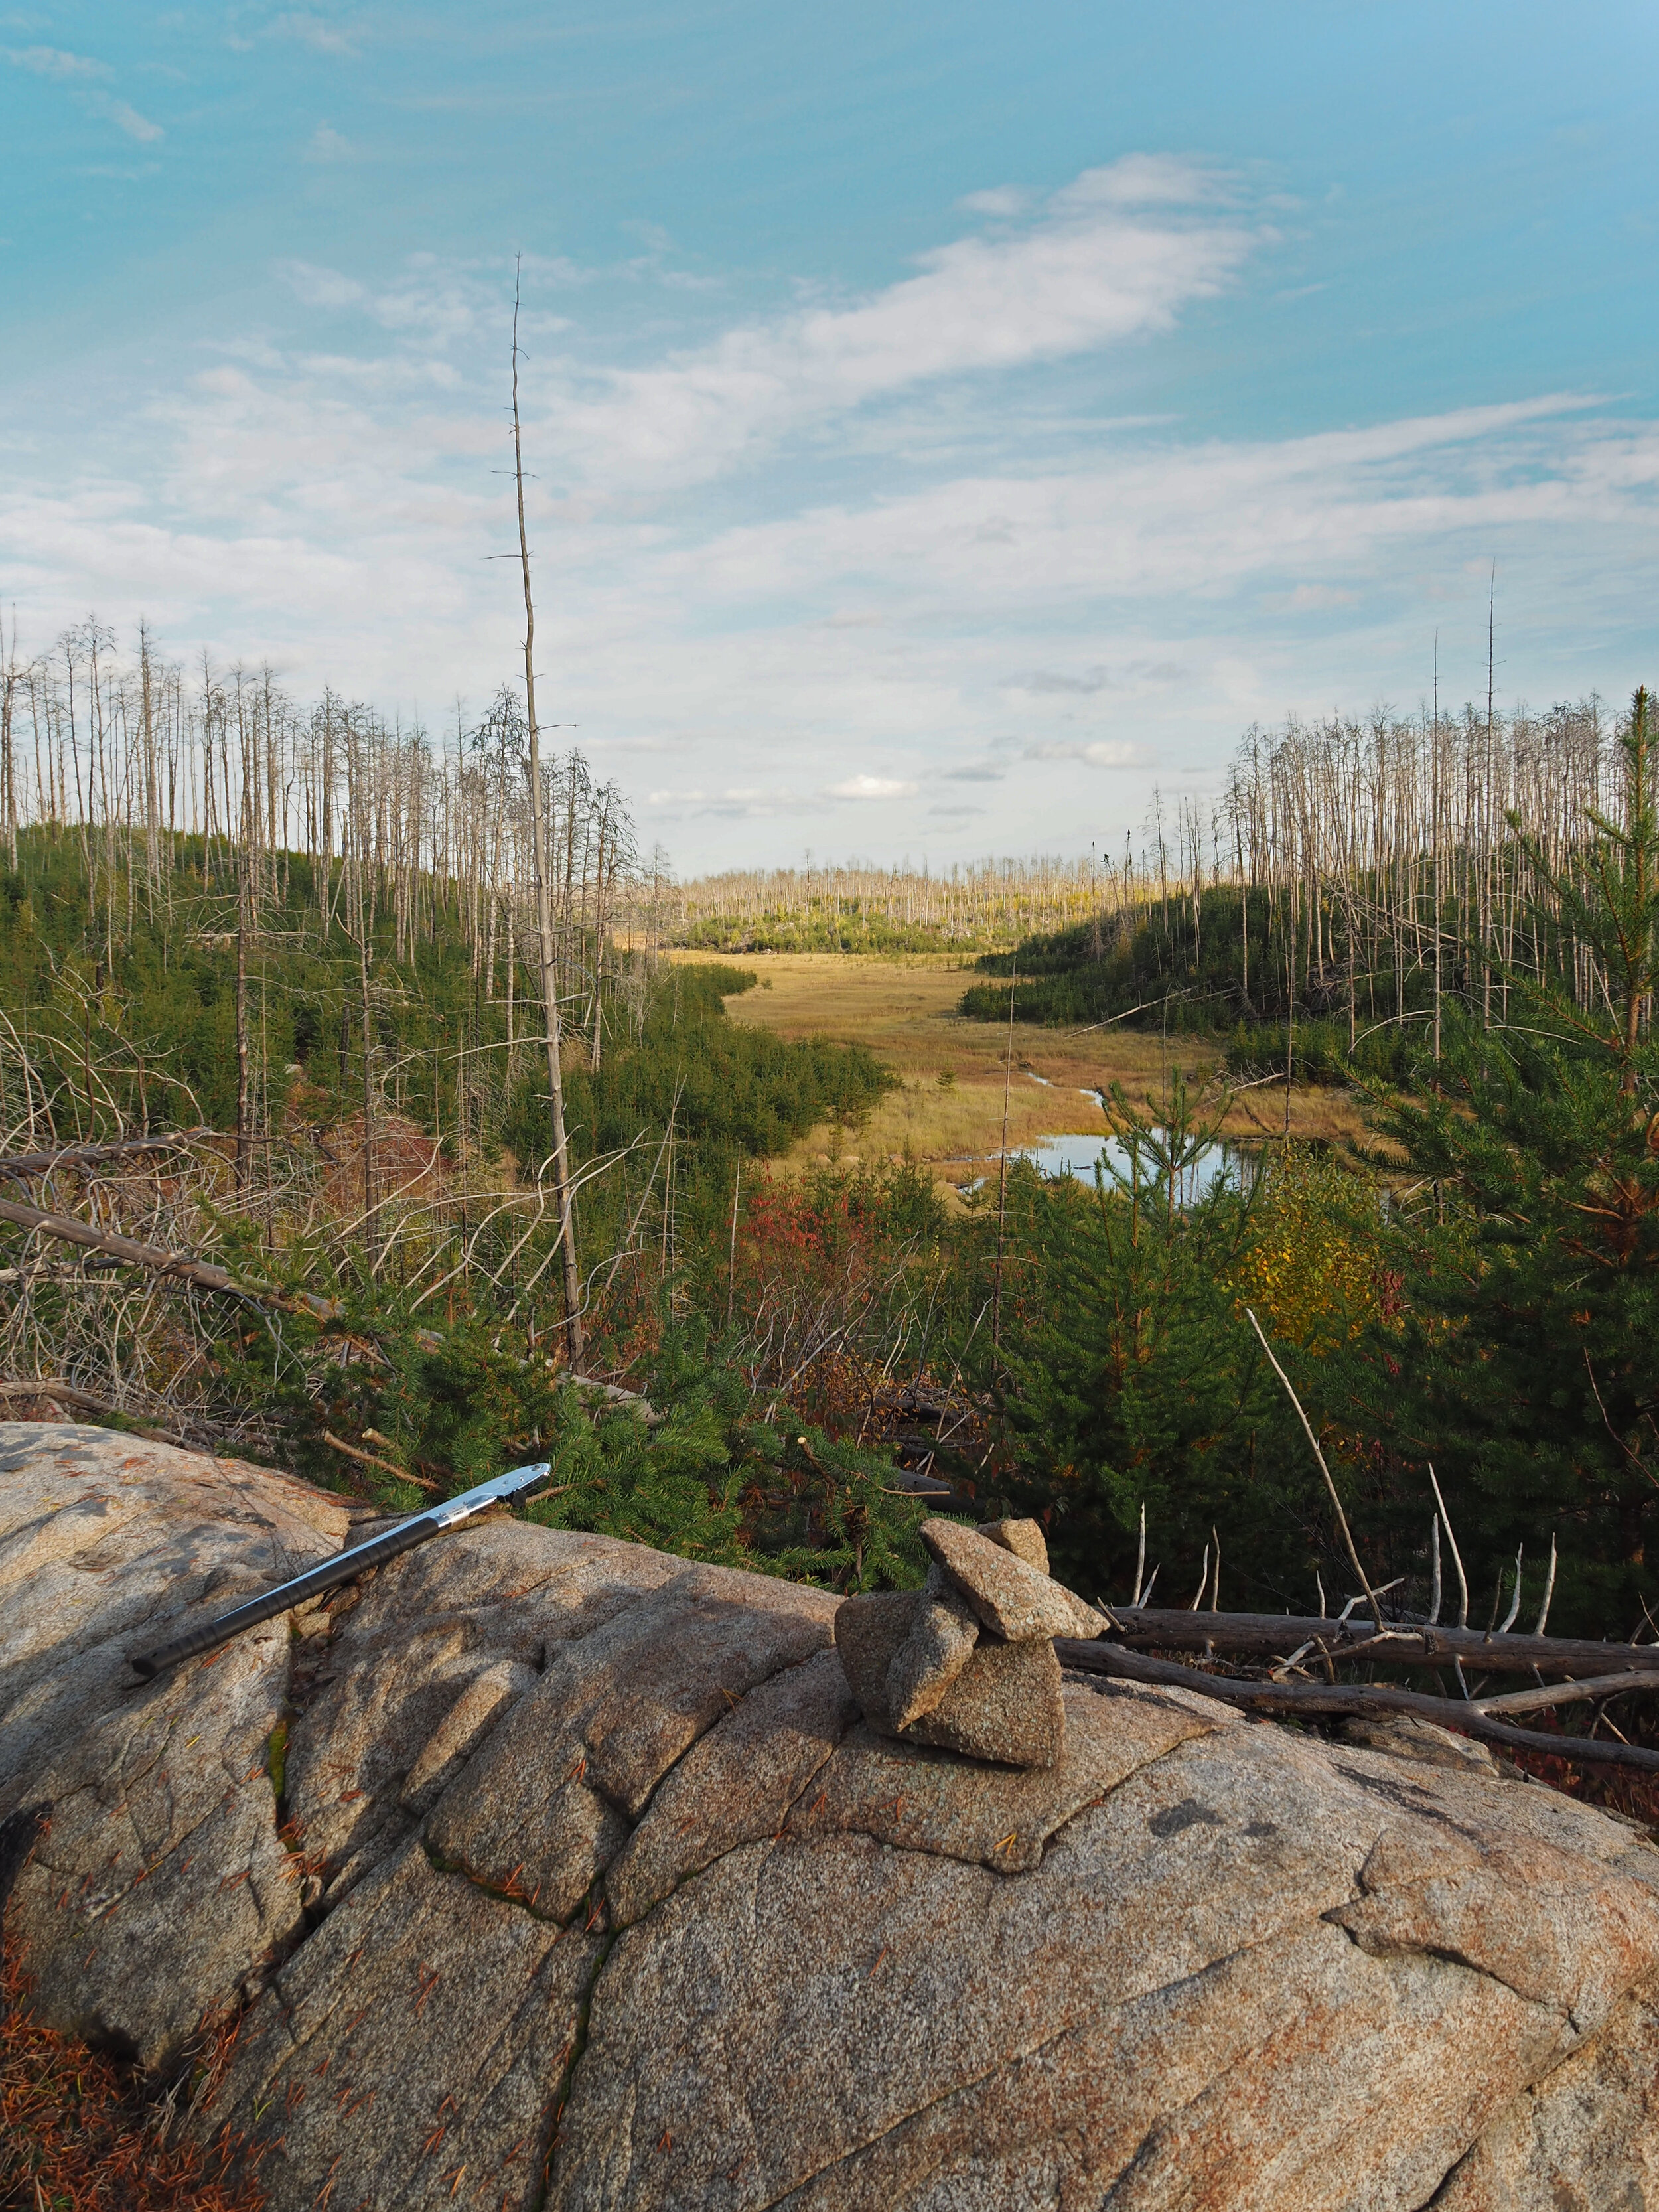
[(1314, 1265)]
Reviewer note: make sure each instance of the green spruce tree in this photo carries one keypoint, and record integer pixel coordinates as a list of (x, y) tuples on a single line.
[(1131, 1378), (1527, 1370)]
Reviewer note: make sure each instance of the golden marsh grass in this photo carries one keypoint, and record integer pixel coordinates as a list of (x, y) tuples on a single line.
[(904, 1009)]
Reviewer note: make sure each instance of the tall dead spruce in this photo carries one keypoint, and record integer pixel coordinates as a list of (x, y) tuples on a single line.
[(564, 1197)]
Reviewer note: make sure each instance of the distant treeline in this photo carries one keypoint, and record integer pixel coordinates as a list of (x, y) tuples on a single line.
[(828, 926), (864, 908), (1213, 971), (1353, 880)]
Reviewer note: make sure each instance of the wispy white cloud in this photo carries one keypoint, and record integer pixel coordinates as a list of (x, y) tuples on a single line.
[(317, 32), (53, 61), (1005, 200), (429, 303), (1083, 684), (740, 803), (872, 787), (86, 78), (1139, 180), (127, 119), (1208, 518), (1108, 752), (321, 288), (325, 143), (650, 235), (1114, 256), (1309, 599)]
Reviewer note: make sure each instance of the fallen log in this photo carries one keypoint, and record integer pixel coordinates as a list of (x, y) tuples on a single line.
[(1270, 1635), (201, 1272), (1568, 1693), (70, 1398), (21, 1164), (1295, 1700)]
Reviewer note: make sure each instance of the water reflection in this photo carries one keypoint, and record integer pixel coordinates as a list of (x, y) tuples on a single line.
[(1077, 1156)]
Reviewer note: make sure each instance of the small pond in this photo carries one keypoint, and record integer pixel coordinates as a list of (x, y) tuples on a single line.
[(1077, 1156)]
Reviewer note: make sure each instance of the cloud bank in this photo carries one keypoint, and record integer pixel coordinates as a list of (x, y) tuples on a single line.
[(828, 572)]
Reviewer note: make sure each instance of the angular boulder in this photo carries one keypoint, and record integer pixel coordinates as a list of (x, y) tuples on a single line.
[(1014, 1598), (541, 1869), (1003, 1703)]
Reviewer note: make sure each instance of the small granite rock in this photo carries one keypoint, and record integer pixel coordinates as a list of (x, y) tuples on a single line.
[(939, 1646), (1025, 1539), (1004, 1704), (917, 1798), (1013, 1598), (870, 1632)]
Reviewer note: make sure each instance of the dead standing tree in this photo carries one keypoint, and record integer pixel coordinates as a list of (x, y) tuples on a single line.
[(547, 949)]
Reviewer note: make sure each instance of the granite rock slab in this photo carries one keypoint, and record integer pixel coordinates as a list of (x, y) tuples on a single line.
[(779, 1959)]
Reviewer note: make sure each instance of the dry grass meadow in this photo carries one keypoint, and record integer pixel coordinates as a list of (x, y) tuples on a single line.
[(948, 1114)]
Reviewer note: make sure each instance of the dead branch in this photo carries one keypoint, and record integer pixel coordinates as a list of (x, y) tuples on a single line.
[(72, 1399), (1354, 1698), (77, 1155), (201, 1272), (385, 1465), (1409, 1644), (1341, 1517)]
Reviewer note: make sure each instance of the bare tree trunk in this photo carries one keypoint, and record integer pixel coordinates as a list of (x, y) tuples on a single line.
[(599, 939), (371, 1219), (1002, 1172), (244, 1133), (9, 679), (573, 1317)]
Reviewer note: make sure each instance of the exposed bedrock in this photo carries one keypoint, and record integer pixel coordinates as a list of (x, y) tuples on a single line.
[(545, 1869)]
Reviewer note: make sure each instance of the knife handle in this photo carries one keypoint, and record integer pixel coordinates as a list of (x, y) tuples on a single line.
[(343, 1568)]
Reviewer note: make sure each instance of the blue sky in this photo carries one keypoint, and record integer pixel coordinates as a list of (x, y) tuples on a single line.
[(947, 421)]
